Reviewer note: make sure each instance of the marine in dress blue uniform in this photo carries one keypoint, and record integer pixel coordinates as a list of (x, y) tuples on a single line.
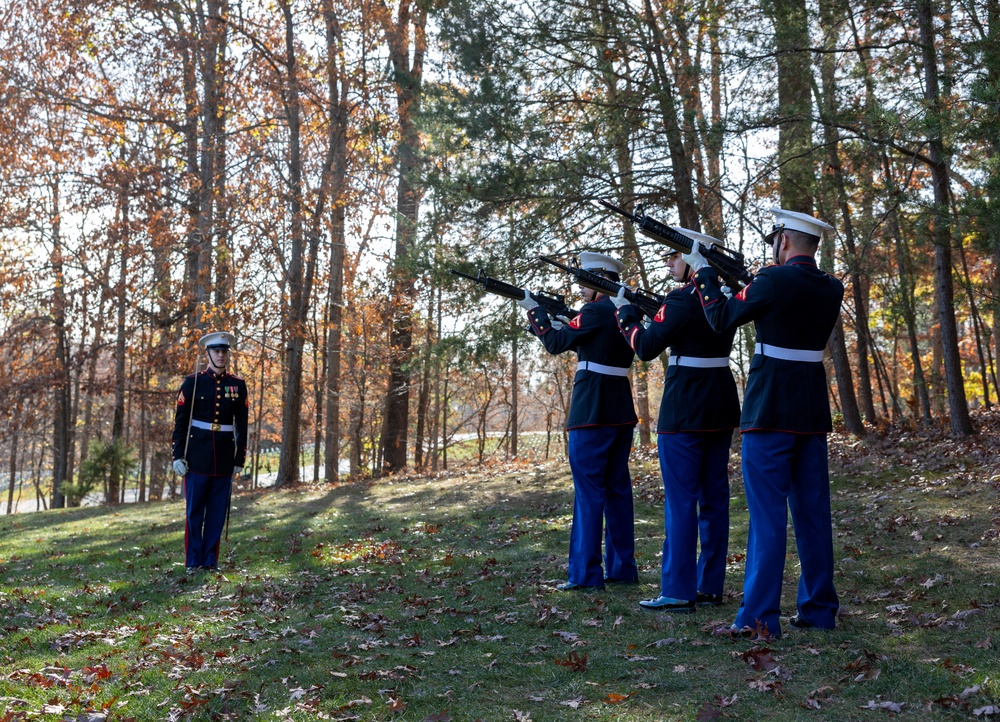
[(209, 447), (698, 413), (785, 420), (600, 424)]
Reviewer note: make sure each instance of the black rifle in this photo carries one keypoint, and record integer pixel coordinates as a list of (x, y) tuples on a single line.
[(554, 305), (648, 303), (728, 263)]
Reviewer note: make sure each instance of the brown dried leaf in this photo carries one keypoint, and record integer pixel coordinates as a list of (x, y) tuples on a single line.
[(574, 660), (760, 658)]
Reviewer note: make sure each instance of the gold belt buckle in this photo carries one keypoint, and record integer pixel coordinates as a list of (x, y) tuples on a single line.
[(216, 427)]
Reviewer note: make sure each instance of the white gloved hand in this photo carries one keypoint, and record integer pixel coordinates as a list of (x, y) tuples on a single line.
[(527, 303), (556, 323), (619, 298), (180, 467), (237, 471), (726, 291), (694, 259)]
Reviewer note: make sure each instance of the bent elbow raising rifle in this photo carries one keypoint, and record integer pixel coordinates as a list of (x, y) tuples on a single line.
[(728, 263), (648, 303), (554, 304)]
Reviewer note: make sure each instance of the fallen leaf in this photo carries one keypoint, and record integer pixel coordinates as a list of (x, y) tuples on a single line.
[(761, 659), (966, 613), (573, 703), (575, 661), (439, 717), (890, 706), (766, 685), (614, 698), (662, 642)]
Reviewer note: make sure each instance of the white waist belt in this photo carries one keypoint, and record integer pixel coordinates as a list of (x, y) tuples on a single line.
[(788, 354), (601, 368), (699, 362), (211, 427)]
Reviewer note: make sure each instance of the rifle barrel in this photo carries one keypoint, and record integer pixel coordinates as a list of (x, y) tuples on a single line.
[(647, 304), (727, 262)]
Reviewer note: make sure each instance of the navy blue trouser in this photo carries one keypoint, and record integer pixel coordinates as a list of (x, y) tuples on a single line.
[(695, 470), (207, 502), (784, 471), (598, 457)]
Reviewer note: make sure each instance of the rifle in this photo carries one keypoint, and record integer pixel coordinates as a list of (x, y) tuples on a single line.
[(729, 263), (553, 304), (647, 302)]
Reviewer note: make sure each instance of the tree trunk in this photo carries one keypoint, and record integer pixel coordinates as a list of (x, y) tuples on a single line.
[(838, 345), (337, 88), (410, 22), (961, 423), (296, 307), (436, 428), (977, 325), (319, 381), (333, 346), (791, 36), (121, 233), (423, 396), (680, 158), (13, 469), (62, 401)]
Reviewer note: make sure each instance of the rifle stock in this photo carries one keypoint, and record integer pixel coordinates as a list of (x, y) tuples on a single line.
[(554, 304), (728, 263), (648, 303)]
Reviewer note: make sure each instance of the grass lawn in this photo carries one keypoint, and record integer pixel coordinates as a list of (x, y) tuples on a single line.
[(433, 598)]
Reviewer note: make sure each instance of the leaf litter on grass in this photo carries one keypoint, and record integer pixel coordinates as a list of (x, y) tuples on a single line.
[(374, 613)]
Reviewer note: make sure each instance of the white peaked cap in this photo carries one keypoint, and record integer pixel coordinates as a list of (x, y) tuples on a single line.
[(695, 236), (795, 221), (217, 338), (590, 261)]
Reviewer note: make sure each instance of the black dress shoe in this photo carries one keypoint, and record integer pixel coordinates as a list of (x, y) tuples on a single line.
[(571, 587), (610, 580), (709, 600), (800, 623)]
